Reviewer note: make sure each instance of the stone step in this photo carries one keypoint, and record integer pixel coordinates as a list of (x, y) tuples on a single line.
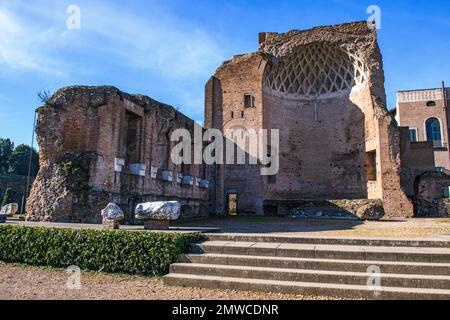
[(319, 264), (404, 254), (314, 276), (383, 242), (304, 288)]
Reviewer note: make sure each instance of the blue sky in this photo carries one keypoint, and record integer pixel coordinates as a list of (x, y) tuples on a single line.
[(168, 49)]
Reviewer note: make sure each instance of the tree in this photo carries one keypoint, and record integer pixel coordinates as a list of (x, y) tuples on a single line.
[(6, 149), (19, 161), (8, 197)]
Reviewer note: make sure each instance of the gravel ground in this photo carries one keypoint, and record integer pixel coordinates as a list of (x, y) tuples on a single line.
[(19, 282)]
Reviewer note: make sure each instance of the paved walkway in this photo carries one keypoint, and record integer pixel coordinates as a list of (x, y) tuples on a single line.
[(181, 229), (404, 228), (407, 228)]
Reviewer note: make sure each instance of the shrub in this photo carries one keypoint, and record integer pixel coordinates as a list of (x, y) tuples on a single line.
[(115, 251)]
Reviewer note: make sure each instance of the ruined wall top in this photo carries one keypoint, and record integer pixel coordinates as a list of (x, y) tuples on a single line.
[(357, 39), (98, 96), (280, 44)]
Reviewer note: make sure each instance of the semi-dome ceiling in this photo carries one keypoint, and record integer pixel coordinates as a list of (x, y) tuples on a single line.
[(318, 70)]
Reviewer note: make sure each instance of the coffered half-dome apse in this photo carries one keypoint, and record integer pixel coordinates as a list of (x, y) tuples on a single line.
[(315, 71), (323, 89), (311, 95)]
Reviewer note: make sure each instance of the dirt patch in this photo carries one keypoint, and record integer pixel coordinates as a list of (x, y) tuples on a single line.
[(19, 282)]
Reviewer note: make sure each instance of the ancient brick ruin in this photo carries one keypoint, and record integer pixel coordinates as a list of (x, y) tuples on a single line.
[(324, 89), (100, 145), (341, 151)]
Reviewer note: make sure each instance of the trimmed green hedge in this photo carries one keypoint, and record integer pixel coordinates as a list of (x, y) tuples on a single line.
[(113, 251)]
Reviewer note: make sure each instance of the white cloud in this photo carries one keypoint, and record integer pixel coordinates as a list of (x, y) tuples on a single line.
[(12, 52), (35, 38), (24, 47), (155, 44), (154, 41)]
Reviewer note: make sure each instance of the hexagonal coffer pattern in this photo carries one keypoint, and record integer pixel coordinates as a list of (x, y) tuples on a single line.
[(315, 71)]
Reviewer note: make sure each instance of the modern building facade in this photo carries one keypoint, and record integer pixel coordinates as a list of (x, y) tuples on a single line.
[(426, 113)]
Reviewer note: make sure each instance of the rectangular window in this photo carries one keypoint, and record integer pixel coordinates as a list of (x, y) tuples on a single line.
[(413, 135), (371, 166), (249, 101)]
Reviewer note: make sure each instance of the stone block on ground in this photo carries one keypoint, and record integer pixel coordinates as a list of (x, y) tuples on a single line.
[(112, 216), (156, 224), (363, 209), (164, 210), (10, 209), (112, 212), (371, 211), (111, 224)]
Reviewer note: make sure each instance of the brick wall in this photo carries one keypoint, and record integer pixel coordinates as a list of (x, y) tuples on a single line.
[(416, 158), (324, 140), (93, 127)]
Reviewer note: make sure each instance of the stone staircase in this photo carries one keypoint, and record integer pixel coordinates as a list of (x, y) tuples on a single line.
[(323, 266)]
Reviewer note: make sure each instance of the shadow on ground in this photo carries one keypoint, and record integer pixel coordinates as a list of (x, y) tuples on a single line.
[(271, 224)]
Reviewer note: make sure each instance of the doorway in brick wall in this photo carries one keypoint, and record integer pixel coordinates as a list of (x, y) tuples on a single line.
[(232, 202)]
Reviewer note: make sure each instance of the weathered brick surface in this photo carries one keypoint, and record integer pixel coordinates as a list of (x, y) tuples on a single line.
[(81, 131), (322, 88), (324, 140), (416, 159), (429, 190)]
